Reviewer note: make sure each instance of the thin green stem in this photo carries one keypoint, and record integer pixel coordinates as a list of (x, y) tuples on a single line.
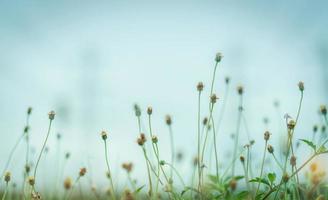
[(148, 172), (198, 145), (41, 152), (172, 149), (278, 163), (110, 174), (240, 110), (246, 177), (177, 173), (215, 152), (262, 166), (71, 190), (5, 193)]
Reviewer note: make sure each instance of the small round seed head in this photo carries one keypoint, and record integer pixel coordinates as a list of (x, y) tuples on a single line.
[(27, 168), (29, 110), (51, 115), (315, 128), (285, 178), (252, 142), (142, 139), (323, 129), (26, 128), (301, 86), (240, 89), (36, 196), (31, 180), (233, 184), (323, 110), (149, 110), (218, 57), (7, 176), (108, 175), (267, 135), (205, 120), (83, 171), (162, 162), (291, 124), (154, 139), (213, 98), (293, 160), (270, 149), (103, 135), (200, 86), (127, 166), (227, 80), (168, 120), (58, 136), (67, 155), (67, 183), (137, 110), (242, 159)]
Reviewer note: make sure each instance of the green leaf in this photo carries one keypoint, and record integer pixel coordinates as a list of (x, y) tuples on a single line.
[(213, 178), (242, 195), (272, 177), (139, 189), (260, 180), (313, 146), (322, 150)]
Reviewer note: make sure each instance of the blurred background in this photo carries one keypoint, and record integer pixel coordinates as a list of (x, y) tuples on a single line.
[(90, 62)]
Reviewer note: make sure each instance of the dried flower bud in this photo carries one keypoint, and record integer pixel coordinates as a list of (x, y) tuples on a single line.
[(103, 135), (168, 120), (149, 110), (242, 159), (323, 110), (270, 149), (213, 98), (68, 183), (27, 168), (137, 110), (285, 178), (35, 195), (29, 110), (142, 139), (67, 155), (205, 120), (267, 135), (315, 128), (83, 171), (26, 129), (200, 86), (127, 166), (227, 80), (240, 89), (154, 139), (7, 176), (31, 180), (301, 86), (293, 160), (291, 124), (233, 184), (218, 57), (162, 162), (252, 142), (51, 115)]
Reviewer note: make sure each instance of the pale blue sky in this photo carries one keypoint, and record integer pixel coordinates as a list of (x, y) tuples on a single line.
[(91, 61)]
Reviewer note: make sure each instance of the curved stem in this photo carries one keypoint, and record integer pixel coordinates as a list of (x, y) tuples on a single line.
[(110, 174), (215, 152), (5, 193), (177, 172), (262, 165), (44, 145), (172, 149), (240, 108), (198, 145)]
